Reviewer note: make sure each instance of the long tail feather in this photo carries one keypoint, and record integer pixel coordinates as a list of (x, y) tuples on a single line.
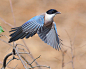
[(17, 34)]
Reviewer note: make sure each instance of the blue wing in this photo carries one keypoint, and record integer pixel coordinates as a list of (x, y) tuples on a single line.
[(28, 29), (49, 35), (33, 24)]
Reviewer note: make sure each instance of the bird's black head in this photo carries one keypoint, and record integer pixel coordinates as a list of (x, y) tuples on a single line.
[(52, 11)]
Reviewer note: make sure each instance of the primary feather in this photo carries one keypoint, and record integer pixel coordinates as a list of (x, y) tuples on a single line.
[(27, 29)]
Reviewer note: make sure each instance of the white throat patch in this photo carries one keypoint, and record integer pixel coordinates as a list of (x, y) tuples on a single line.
[(49, 17)]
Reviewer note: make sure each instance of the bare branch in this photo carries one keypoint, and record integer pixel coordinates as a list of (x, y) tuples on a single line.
[(4, 62)]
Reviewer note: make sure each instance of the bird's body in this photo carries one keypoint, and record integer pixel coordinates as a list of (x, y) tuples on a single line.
[(43, 25)]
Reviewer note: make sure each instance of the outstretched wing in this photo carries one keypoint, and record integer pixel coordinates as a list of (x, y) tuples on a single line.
[(27, 29), (49, 35)]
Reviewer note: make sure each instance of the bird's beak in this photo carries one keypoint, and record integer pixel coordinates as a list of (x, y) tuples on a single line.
[(58, 12)]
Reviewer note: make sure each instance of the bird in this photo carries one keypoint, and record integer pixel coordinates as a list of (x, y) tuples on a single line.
[(43, 25)]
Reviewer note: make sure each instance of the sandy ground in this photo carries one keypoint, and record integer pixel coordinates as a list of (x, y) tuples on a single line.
[(71, 26)]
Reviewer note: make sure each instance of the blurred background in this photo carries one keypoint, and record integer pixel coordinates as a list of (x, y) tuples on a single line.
[(71, 26)]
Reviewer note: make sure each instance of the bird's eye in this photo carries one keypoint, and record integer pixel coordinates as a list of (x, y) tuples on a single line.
[(54, 11)]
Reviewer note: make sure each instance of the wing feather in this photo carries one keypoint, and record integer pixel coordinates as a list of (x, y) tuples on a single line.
[(49, 35), (28, 29)]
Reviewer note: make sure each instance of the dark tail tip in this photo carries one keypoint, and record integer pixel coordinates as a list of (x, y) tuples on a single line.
[(9, 41)]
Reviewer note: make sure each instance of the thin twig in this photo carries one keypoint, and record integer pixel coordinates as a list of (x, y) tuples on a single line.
[(23, 46), (66, 52), (15, 66), (6, 22), (4, 35), (30, 52), (68, 62), (62, 59), (72, 56), (26, 61), (26, 45), (66, 46), (24, 53), (20, 58), (63, 54), (6, 42), (71, 50), (11, 60), (81, 46), (40, 66), (12, 12), (35, 59)]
